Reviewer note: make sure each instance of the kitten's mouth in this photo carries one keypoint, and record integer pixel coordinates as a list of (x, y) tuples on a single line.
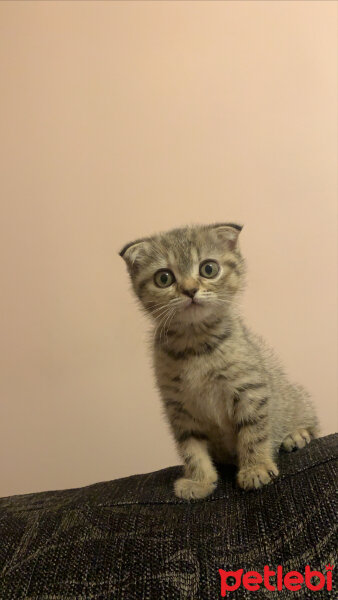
[(191, 304)]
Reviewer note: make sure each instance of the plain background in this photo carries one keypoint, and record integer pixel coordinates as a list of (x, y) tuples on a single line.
[(119, 119)]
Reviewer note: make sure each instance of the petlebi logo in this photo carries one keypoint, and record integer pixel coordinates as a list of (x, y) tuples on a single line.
[(291, 580)]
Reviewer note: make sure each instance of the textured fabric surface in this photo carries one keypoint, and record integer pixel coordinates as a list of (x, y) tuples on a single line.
[(131, 539)]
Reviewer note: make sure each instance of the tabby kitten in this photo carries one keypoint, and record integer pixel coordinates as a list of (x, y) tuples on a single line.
[(225, 395)]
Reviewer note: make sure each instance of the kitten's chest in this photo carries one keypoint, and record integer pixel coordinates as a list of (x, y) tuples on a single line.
[(205, 394)]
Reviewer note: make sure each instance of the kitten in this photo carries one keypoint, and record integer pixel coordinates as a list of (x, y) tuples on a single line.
[(225, 395)]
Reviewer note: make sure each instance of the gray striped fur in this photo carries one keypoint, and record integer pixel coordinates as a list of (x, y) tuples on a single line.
[(224, 392)]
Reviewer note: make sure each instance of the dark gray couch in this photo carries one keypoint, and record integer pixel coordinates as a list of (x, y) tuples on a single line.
[(131, 539)]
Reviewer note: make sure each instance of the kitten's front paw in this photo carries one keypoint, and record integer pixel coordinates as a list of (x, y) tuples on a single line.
[(298, 439), (254, 477), (193, 490)]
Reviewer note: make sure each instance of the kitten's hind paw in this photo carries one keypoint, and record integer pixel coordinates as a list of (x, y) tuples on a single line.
[(193, 490), (298, 439), (254, 477)]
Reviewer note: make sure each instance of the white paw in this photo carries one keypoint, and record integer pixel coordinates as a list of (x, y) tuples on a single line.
[(298, 439), (254, 477), (192, 490)]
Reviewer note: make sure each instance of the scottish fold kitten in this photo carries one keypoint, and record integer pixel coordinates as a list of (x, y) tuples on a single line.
[(225, 395)]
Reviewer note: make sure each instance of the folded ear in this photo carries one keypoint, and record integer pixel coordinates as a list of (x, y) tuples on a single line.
[(227, 233), (133, 253)]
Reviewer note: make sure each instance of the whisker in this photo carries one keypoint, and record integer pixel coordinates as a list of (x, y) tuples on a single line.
[(159, 324), (160, 303), (169, 316), (162, 313), (167, 305), (219, 297)]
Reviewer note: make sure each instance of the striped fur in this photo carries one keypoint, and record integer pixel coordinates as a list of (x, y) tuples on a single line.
[(225, 395)]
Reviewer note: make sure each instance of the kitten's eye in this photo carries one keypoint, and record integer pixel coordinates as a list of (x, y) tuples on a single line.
[(164, 278), (209, 269)]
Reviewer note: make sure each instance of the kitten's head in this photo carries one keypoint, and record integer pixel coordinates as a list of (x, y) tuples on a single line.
[(186, 274)]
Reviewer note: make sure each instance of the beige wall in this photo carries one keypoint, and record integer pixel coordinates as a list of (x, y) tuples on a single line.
[(120, 119)]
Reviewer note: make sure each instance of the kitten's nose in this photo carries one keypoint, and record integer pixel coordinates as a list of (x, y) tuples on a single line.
[(190, 292)]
